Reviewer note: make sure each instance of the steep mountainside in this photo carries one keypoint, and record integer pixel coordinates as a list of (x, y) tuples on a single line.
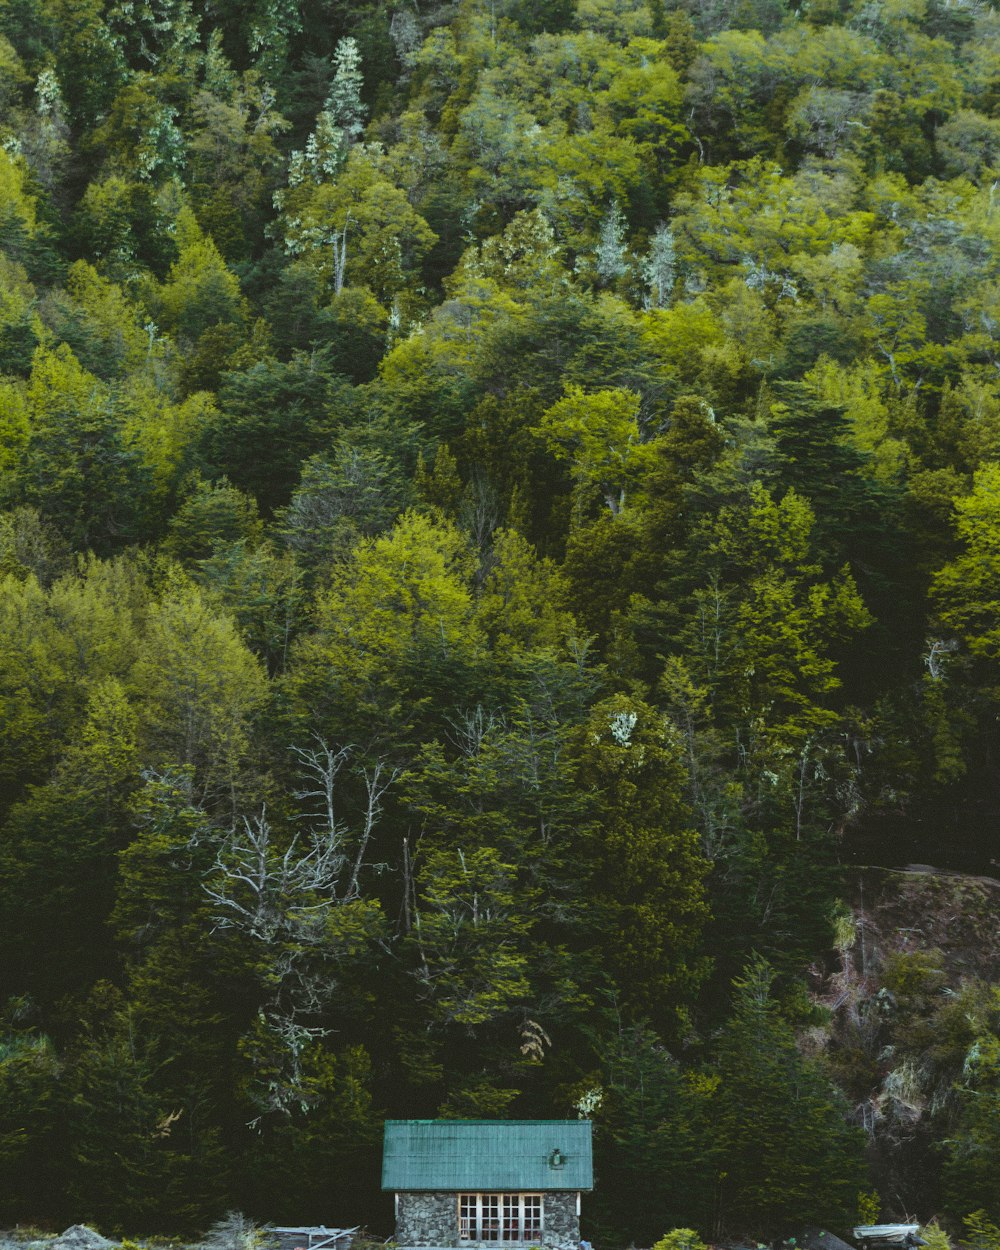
[(499, 517)]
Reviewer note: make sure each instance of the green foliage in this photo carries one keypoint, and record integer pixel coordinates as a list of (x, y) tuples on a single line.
[(869, 1208), (355, 493), (968, 1175), (522, 604), (964, 588), (213, 515), (29, 1072), (782, 1128), (60, 849), (76, 466), (359, 231), (58, 645), (471, 929), (113, 1101), (599, 434), (202, 689), (272, 416), (234, 161), (19, 220), (982, 1231), (395, 629), (123, 227), (935, 1236), (679, 1239), (646, 887), (654, 1121), (200, 291)]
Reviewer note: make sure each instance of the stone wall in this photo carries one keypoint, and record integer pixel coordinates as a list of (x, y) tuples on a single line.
[(424, 1219), (431, 1219), (562, 1224)]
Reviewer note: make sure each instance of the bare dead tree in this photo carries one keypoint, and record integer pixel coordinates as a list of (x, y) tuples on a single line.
[(377, 779), (321, 765), (935, 658), (257, 883), (339, 245), (285, 894), (470, 729)]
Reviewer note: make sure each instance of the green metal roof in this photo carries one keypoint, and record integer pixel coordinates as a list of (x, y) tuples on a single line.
[(471, 1155)]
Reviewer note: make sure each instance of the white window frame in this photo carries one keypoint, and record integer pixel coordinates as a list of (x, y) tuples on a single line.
[(501, 1218)]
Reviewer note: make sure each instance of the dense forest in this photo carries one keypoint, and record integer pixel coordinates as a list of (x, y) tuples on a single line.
[(499, 518)]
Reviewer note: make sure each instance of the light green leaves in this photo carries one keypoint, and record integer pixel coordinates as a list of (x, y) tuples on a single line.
[(599, 435)]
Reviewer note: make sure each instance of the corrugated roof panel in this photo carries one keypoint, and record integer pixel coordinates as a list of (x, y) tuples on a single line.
[(471, 1155)]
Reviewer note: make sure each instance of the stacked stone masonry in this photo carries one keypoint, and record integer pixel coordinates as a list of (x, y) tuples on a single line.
[(431, 1219)]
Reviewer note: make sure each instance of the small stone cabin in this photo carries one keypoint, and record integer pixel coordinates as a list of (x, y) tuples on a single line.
[(470, 1183)]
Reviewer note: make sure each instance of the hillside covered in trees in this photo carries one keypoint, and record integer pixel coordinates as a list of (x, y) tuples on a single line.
[(499, 511)]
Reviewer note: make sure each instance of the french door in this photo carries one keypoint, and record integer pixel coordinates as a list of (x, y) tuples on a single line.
[(500, 1217)]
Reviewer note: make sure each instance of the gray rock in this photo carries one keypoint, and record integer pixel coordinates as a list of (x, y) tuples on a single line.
[(80, 1237)]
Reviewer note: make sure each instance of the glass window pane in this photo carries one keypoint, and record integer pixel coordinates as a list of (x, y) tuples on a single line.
[(489, 1229), (532, 1226), (467, 1217), (511, 1218), (507, 1218)]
